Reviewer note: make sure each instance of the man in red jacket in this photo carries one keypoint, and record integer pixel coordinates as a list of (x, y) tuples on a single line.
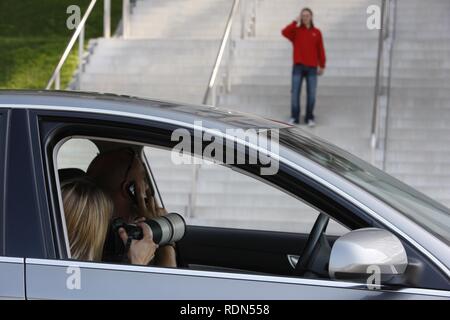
[(309, 61)]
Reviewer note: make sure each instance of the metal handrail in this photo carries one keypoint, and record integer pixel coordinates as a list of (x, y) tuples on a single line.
[(211, 88), (79, 29), (218, 61), (375, 113), (393, 12)]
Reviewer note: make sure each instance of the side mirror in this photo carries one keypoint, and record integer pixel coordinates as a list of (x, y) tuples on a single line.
[(363, 252)]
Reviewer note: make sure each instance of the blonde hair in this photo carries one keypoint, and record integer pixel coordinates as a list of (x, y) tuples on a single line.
[(87, 210)]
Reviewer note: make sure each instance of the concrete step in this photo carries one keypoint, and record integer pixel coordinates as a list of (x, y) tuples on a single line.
[(152, 79), (418, 146), (420, 92), (277, 54), (148, 68), (249, 62), (342, 74), (340, 104), (122, 85), (325, 81), (431, 134), (286, 226), (269, 215), (436, 157), (395, 168), (142, 44), (179, 19), (424, 55), (426, 180), (425, 45), (422, 124), (330, 44), (284, 90), (405, 103), (440, 81)]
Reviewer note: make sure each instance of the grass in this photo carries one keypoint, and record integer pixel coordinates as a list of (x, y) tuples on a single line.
[(33, 36)]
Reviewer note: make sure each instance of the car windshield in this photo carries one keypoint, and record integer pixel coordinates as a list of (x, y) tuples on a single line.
[(424, 211)]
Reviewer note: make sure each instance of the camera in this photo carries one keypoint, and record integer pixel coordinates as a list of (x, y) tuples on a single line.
[(166, 229)]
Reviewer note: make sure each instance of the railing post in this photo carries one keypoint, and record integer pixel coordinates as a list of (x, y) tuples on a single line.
[(58, 81), (223, 44), (80, 56), (193, 194), (254, 13), (214, 95), (125, 18), (375, 122), (231, 48), (243, 10), (107, 18)]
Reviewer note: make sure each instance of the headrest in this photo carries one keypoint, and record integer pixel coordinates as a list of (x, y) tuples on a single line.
[(70, 173)]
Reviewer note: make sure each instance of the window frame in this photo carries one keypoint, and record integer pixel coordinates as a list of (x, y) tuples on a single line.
[(4, 120)]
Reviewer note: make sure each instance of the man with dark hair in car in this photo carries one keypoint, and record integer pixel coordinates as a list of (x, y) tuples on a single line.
[(115, 172)]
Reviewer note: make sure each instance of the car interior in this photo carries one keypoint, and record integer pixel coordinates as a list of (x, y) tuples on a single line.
[(223, 249)]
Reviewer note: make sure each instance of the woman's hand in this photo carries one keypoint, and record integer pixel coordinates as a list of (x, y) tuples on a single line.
[(147, 206), (320, 71), (141, 252)]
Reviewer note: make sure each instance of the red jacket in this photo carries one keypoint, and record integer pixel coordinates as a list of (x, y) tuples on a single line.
[(308, 45)]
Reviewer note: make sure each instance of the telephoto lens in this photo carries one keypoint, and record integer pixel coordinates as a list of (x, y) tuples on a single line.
[(166, 229)]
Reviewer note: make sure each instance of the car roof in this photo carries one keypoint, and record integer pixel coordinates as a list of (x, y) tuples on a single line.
[(210, 116)]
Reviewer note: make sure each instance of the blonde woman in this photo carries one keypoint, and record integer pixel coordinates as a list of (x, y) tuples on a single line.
[(88, 210)]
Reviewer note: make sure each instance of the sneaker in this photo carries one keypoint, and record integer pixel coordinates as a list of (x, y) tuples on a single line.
[(292, 121), (311, 123)]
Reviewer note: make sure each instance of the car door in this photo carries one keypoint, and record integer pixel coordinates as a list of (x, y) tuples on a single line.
[(63, 278), (12, 284)]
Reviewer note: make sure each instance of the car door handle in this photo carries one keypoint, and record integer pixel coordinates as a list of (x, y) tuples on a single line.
[(293, 259)]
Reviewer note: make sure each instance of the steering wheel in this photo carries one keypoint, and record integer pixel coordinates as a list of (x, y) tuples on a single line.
[(311, 244)]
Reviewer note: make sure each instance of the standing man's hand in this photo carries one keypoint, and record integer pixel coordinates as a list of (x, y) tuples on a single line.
[(320, 71)]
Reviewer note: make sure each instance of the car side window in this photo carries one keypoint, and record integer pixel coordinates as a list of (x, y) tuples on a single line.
[(76, 153), (216, 196)]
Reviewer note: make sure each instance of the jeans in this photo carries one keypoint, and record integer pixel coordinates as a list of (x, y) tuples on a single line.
[(299, 72)]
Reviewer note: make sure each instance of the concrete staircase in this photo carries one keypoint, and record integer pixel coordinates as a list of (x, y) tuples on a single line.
[(169, 54), (418, 145), (261, 72)]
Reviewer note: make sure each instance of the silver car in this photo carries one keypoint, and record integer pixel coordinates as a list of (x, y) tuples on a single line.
[(393, 242)]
